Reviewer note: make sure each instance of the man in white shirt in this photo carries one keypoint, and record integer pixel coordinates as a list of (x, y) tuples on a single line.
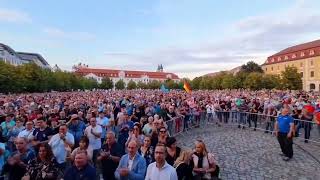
[(93, 132), (29, 129), (58, 144), (160, 169)]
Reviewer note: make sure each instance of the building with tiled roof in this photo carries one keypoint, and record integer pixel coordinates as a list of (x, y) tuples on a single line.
[(126, 75), (305, 57)]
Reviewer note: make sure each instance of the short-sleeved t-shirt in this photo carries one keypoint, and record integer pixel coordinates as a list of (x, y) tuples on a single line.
[(284, 123), (42, 135), (109, 166), (94, 142)]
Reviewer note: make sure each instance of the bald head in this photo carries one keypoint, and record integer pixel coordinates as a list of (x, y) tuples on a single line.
[(132, 148)]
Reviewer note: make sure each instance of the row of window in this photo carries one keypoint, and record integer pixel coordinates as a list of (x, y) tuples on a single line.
[(286, 57), (311, 74), (287, 65)]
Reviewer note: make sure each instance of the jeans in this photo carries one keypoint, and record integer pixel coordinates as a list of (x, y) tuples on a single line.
[(243, 117), (234, 116)]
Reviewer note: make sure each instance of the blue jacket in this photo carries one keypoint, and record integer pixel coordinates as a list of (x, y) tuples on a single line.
[(138, 170)]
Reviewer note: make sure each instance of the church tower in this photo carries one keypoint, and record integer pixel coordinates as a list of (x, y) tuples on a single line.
[(160, 68)]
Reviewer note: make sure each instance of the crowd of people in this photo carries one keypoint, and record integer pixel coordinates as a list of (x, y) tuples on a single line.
[(128, 134)]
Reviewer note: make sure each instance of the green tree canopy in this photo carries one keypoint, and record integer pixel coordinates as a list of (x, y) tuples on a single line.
[(253, 81), (154, 84), (251, 67), (120, 84), (106, 83), (195, 83), (291, 79), (271, 81), (142, 85), (229, 82), (131, 85)]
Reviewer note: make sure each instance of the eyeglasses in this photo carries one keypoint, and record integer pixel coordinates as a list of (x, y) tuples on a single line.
[(163, 131)]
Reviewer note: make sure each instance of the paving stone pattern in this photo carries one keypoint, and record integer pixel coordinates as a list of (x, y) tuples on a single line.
[(248, 154)]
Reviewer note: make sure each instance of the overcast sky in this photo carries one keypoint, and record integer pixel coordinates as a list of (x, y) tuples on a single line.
[(189, 37)]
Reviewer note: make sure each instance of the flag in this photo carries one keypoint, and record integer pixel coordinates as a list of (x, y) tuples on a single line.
[(187, 87), (164, 89)]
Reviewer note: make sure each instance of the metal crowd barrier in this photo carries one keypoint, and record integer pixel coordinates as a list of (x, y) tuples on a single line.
[(180, 124), (309, 131)]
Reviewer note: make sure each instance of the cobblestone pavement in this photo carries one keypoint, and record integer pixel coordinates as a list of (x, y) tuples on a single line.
[(248, 154)]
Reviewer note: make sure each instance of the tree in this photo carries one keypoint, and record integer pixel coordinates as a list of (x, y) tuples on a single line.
[(131, 85), (251, 67), (253, 81), (271, 81), (7, 77), (142, 85), (291, 79), (120, 84), (195, 83), (240, 78), (106, 83), (205, 83), (216, 81), (171, 84), (229, 82), (154, 84)]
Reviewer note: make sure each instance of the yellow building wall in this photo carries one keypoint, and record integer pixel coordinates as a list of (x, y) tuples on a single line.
[(305, 66)]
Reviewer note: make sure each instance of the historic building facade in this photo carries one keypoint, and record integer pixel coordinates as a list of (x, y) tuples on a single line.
[(125, 75), (305, 57)]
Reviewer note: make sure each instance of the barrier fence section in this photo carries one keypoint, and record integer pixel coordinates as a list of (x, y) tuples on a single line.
[(309, 131), (180, 124)]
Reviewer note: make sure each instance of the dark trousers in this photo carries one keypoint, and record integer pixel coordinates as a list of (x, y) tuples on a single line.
[(307, 129), (254, 119), (285, 144)]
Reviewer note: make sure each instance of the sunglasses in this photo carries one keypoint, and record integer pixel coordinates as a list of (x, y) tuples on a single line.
[(163, 131)]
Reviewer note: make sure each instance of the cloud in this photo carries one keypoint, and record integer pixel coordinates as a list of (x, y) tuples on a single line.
[(14, 16), (61, 34), (252, 38)]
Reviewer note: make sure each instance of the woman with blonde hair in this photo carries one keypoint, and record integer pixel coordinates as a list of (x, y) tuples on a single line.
[(204, 166), (183, 166)]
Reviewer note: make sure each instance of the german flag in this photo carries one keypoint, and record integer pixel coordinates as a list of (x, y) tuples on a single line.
[(187, 87)]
